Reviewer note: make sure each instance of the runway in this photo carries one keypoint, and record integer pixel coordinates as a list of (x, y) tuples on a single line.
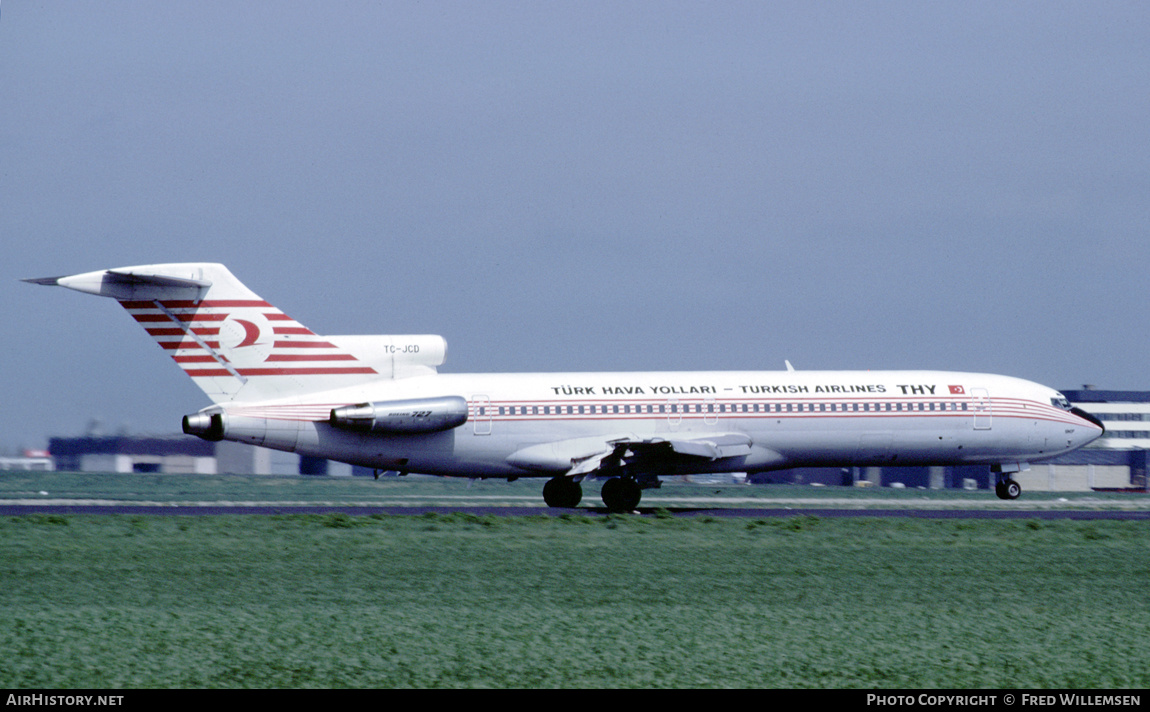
[(26, 507)]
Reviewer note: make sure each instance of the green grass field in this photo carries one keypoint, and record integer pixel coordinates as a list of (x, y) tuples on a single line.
[(577, 601)]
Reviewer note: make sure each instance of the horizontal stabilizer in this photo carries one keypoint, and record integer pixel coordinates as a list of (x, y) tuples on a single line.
[(156, 280), (144, 282)]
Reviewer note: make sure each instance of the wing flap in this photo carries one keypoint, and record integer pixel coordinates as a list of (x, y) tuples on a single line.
[(714, 447), (564, 456), (583, 456)]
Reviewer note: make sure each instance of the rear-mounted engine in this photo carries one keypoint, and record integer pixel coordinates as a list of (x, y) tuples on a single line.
[(420, 415), (209, 426)]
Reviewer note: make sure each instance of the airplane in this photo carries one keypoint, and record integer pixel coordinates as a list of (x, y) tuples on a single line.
[(378, 401)]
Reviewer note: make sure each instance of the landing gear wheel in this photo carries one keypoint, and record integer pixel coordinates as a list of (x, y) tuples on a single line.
[(562, 492), (1011, 489), (1007, 489), (621, 495)]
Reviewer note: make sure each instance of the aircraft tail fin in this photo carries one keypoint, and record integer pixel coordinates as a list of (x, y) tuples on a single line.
[(232, 343)]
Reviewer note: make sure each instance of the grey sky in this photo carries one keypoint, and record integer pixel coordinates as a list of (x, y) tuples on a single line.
[(581, 186)]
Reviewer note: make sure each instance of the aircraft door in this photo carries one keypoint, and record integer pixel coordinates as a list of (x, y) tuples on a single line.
[(982, 408), (710, 411), (481, 414)]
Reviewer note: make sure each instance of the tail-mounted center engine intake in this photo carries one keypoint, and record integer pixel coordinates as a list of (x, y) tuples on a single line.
[(420, 415)]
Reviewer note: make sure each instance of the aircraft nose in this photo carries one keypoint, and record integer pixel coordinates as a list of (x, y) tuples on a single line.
[(1090, 433), (1090, 418)]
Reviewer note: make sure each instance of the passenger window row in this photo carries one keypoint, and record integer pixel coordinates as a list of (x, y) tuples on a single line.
[(732, 408)]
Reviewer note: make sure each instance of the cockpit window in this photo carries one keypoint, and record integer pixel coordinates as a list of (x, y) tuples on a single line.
[(1060, 402)]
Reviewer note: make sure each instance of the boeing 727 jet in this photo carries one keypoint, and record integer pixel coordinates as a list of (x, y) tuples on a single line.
[(379, 402)]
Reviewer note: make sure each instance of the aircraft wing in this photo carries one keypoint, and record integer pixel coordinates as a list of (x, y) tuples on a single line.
[(637, 454)]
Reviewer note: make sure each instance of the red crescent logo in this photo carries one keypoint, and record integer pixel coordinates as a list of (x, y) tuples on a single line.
[(251, 333)]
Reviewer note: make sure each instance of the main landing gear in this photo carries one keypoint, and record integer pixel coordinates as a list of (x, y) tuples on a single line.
[(562, 492), (620, 494)]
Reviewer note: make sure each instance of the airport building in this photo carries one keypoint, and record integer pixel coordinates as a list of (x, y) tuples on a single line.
[(30, 461), (125, 453), (180, 455)]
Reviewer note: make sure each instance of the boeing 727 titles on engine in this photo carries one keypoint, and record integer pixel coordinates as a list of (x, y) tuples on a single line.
[(379, 402)]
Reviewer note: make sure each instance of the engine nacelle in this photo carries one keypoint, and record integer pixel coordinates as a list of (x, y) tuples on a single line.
[(215, 425), (418, 415), (209, 426)]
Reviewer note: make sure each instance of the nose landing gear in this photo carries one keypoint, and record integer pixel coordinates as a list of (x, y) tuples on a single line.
[(1007, 488)]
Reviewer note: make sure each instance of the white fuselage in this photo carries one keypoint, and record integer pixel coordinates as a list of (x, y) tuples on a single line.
[(799, 418), (379, 401)]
